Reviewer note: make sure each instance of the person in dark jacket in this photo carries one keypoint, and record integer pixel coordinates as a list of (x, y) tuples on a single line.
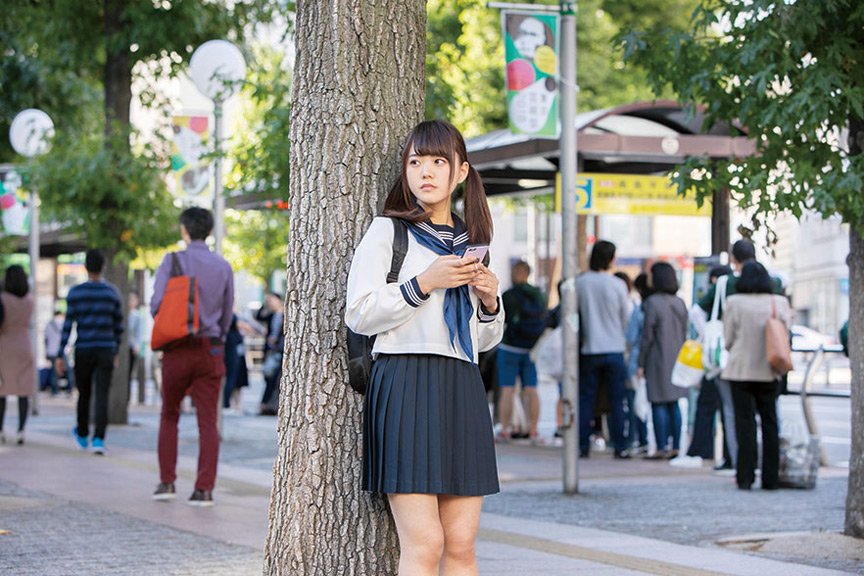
[(525, 318), (663, 334)]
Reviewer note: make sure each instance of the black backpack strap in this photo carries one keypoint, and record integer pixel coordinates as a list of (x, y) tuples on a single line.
[(400, 248), (176, 270)]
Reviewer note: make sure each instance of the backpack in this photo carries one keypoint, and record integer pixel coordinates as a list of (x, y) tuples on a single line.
[(177, 318), (531, 321), (360, 346)]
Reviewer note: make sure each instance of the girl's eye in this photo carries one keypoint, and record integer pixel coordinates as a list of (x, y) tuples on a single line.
[(440, 161), (413, 162)]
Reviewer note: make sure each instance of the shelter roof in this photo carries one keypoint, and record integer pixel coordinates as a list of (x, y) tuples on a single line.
[(639, 138)]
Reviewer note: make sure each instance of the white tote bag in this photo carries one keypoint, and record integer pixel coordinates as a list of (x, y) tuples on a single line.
[(714, 353), (548, 354)]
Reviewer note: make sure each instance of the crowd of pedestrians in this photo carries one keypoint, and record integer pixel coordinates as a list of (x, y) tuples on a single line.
[(629, 338)]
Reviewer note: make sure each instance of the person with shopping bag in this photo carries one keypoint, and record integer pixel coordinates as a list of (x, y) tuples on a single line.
[(753, 379), (663, 334)]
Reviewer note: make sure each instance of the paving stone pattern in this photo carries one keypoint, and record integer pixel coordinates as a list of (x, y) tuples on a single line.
[(95, 542)]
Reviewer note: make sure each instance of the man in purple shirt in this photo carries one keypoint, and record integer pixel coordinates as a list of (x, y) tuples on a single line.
[(195, 366)]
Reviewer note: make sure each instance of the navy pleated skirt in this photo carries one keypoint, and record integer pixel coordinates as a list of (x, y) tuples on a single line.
[(427, 429)]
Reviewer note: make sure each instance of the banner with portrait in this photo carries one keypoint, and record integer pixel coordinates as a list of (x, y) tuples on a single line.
[(531, 74), (189, 160), (14, 205)]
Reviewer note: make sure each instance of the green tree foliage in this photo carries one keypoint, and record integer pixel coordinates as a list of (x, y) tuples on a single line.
[(115, 200), (790, 75), (256, 241), (789, 85), (465, 57), (261, 148), (76, 60)]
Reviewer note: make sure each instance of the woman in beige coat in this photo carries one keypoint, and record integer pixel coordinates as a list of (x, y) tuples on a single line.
[(754, 383), (17, 362)]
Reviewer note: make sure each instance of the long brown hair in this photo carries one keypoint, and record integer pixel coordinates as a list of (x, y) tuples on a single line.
[(440, 138)]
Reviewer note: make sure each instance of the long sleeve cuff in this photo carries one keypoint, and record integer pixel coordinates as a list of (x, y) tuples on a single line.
[(485, 316), (412, 294)]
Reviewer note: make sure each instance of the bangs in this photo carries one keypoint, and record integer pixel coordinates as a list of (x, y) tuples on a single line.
[(432, 139)]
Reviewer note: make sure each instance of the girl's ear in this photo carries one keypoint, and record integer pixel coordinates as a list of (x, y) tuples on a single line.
[(463, 171)]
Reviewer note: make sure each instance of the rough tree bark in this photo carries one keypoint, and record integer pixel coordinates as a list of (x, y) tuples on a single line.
[(118, 396), (854, 525), (358, 89), (118, 99)]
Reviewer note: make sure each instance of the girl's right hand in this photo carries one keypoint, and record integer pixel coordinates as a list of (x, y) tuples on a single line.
[(447, 272)]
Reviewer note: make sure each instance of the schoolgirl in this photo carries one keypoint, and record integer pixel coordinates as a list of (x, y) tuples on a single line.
[(427, 433)]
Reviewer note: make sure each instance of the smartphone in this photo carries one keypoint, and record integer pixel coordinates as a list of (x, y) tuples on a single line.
[(476, 251)]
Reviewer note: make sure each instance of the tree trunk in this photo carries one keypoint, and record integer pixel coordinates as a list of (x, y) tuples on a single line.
[(118, 71), (118, 397), (855, 494), (358, 89), (118, 98)]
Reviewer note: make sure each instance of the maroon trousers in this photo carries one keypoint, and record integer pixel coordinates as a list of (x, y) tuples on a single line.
[(194, 367)]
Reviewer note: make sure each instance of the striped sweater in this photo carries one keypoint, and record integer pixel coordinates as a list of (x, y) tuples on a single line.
[(97, 309)]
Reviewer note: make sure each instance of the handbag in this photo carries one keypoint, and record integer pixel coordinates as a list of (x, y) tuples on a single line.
[(178, 317), (714, 353), (777, 348), (272, 364), (688, 371), (548, 354)]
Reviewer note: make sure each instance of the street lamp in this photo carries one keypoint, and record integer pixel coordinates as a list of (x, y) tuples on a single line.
[(216, 68), (30, 134)]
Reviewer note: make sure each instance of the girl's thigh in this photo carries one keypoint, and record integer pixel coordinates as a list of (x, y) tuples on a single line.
[(460, 518), (416, 516)]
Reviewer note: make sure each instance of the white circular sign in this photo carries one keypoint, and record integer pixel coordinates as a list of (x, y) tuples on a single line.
[(669, 145), (12, 181), (31, 132), (216, 67)]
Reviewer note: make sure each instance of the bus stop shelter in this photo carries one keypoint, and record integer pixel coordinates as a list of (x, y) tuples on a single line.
[(644, 138)]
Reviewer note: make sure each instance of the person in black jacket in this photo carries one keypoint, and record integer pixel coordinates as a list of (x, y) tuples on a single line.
[(525, 318), (272, 315)]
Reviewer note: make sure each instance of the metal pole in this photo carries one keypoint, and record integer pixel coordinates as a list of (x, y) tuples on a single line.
[(218, 198), (34, 265), (569, 312)]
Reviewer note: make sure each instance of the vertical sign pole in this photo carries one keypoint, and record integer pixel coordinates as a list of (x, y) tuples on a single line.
[(218, 198), (34, 265), (569, 312)]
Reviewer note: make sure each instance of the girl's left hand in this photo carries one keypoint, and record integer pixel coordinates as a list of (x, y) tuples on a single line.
[(485, 285)]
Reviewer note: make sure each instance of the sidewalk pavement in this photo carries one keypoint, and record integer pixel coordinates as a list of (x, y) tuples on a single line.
[(71, 513)]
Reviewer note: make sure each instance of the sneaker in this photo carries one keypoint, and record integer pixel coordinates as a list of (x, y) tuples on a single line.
[(201, 498), (165, 491), (98, 446), (502, 437), (584, 453), (658, 455), (537, 439), (621, 455), (83, 442), (19, 439)]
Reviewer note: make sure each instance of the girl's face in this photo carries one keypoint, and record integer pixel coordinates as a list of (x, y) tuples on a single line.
[(429, 179)]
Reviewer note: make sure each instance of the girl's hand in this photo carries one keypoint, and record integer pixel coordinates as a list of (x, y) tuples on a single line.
[(485, 285), (447, 272)]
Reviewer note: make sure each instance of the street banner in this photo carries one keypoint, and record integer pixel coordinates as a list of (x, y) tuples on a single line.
[(630, 194), (531, 54), (189, 157), (14, 205)]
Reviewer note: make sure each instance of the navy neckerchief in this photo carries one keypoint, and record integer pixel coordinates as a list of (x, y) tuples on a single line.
[(458, 308)]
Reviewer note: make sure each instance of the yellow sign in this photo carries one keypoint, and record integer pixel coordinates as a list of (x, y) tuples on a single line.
[(630, 194)]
